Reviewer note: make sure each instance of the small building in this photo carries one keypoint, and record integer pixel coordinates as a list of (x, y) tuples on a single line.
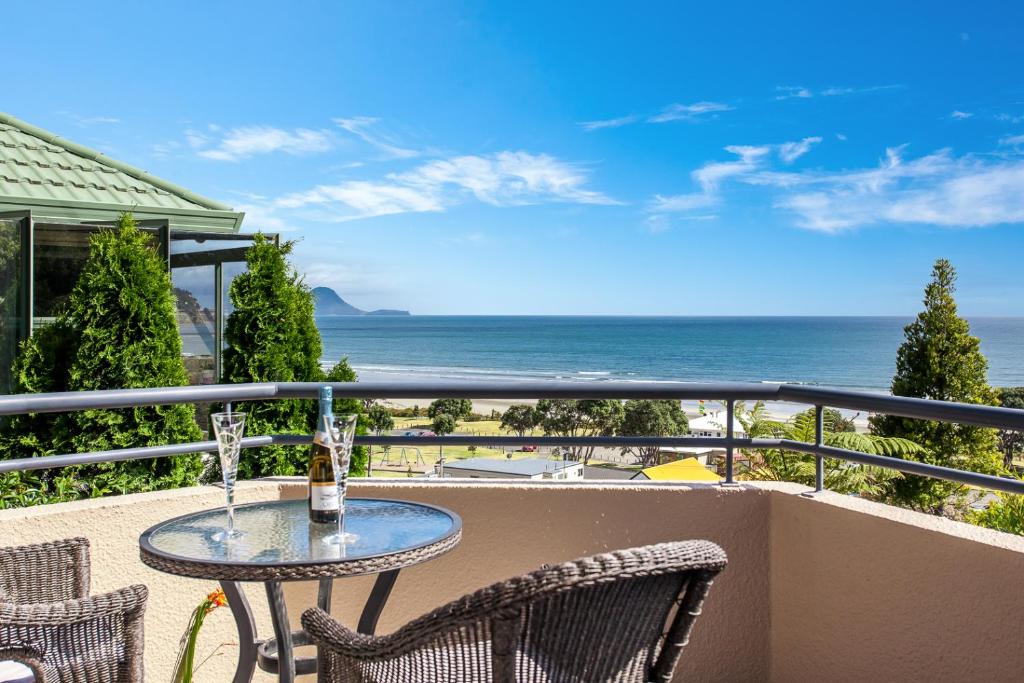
[(503, 468), (687, 469), (714, 425), (592, 472)]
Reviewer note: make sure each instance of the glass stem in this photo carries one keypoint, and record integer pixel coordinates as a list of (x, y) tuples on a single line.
[(229, 490)]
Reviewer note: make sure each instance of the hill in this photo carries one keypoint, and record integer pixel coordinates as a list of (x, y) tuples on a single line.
[(328, 302)]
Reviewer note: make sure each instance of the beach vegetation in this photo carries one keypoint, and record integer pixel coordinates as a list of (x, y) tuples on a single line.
[(651, 418), (1011, 441), (520, 419), (773, 464), (457, 408), (580, 418), (940, 360)]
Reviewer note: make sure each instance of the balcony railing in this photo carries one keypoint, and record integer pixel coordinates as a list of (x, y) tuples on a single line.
[(729, 393)]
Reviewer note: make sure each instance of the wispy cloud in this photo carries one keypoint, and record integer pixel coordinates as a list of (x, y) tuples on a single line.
[(673, 112), (609, 123), (1013, 141), (935, 189), (788, 92), (361, 126), (241, 143), (711, 176), (85, 121), (791, 151), (687, 112), (960, 115), (502, 179)]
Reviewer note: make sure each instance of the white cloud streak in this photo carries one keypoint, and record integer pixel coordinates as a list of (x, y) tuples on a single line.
[(241, 143), (608, 123), (960, 115), (360, 127), (935, 189), (791, 151), (788, 92), (687, 112), (673, 112), (503, 179)]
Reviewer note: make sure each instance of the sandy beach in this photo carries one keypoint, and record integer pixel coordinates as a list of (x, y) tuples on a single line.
[(776, 410)]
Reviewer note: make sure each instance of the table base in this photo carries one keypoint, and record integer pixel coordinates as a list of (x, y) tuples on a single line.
[(276, 655)]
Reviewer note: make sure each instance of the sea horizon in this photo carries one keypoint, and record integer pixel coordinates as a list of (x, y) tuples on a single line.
[(850, 352)]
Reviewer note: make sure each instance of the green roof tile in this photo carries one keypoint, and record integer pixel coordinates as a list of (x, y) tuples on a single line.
[(38, 167)]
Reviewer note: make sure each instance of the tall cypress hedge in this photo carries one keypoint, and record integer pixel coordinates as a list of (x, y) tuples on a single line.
[(272, 337), (119, 330)]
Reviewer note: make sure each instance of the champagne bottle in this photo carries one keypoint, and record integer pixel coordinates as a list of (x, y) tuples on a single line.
[(323, 494)]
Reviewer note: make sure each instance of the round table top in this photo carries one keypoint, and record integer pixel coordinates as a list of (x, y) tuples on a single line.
[(279, 543)]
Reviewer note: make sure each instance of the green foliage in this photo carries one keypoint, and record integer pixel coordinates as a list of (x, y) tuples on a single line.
[(443, 423), (272, 337), (459, 408), (123, 311), (940, 360), (1005, 514), (840, 476), (651, 418), (520, 419), (1011, 442), (119, 330), (580, 418), (380, 419)]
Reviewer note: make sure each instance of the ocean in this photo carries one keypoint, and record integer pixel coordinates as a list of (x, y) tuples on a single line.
[(847, 352)]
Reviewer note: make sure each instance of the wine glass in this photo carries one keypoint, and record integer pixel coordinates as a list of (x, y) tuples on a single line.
[(341, 431), (228, 428)]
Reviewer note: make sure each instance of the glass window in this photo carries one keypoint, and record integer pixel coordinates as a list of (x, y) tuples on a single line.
[(60, 253), (10, 293)]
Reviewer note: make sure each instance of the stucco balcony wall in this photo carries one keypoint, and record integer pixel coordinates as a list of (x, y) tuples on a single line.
[(823, 588)]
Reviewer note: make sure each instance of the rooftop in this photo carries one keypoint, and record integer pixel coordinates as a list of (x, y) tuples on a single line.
[(59, 180), (524, 467)]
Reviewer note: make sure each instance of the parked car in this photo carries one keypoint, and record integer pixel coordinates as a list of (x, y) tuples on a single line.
[(529, 449)]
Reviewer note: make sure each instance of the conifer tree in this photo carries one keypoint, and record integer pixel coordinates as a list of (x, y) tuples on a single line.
[(942, 361), (272, 337), (119, 330)]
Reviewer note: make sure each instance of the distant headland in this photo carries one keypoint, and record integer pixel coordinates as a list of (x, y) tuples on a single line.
[(328, 302)]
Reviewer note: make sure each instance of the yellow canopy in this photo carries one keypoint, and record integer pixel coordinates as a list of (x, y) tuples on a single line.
[(687, 469)]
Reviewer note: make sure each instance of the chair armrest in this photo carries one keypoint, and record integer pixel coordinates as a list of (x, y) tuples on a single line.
[(45, 572), (31, 657), (128, 602)]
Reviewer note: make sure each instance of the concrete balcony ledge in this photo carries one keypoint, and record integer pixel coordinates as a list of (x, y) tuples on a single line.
[(818, 588)]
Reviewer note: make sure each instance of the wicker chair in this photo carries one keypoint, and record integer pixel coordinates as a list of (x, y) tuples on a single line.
[(49, 623), (622, 616)]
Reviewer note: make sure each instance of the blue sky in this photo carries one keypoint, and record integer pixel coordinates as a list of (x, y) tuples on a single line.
[(557, 158)]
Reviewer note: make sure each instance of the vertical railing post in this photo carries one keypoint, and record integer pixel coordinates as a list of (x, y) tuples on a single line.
[(819, 440), (729, 450)]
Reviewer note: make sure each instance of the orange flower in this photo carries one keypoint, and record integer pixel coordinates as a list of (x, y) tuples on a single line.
[(216, 599)]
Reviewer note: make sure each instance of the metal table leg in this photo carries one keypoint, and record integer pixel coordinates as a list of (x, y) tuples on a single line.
[(277, 655), (282, 632), (246, 631), (375, 603)]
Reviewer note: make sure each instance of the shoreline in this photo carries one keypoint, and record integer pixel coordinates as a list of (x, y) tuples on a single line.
[(775, 410)]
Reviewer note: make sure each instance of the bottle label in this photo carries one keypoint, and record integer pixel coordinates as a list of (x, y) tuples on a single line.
[(323, 496)]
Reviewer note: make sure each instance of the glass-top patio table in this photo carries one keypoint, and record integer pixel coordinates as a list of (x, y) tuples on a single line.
[(279, 543)]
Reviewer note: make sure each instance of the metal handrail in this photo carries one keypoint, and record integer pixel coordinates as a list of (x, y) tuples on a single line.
[(730, 392)]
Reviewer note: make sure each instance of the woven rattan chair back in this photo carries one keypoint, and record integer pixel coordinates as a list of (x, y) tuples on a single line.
[(49, 622), (623, 616)]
